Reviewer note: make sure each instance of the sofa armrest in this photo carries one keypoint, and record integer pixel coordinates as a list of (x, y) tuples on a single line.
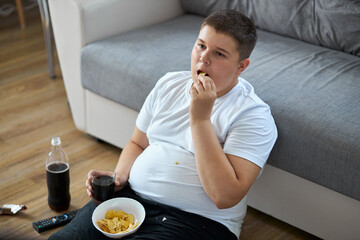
[(107, 18), (79, 22)]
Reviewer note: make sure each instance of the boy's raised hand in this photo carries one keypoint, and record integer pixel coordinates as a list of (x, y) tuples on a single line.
[(203, 96)]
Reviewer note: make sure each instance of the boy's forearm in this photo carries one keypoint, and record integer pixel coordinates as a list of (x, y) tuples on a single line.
[(215, 171), (127, 158)]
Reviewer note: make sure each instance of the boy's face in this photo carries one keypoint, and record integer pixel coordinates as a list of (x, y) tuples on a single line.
[(217, 55)]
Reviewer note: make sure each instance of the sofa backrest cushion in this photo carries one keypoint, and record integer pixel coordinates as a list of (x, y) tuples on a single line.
[(333, 24)]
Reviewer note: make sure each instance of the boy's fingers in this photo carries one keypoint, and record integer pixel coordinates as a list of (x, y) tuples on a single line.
[(192, 90), (207, 84), (89, 192), (199, 87), (196, 80), (90, 173), (88, 181)]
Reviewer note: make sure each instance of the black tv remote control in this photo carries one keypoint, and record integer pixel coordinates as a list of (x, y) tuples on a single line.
[(53, 222)]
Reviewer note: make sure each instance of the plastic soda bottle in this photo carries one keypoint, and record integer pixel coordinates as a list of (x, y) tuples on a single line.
[(57, 177)]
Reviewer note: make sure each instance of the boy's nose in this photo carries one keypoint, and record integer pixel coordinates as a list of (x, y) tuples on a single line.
[(205, 57)]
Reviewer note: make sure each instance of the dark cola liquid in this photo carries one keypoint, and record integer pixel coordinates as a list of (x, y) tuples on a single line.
[(58, 182), (103, 188)]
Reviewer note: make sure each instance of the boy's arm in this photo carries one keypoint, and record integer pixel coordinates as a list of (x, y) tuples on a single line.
[(226, 178), (136, 145)]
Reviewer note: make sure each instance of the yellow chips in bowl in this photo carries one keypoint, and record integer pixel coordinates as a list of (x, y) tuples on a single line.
[(117, 222)]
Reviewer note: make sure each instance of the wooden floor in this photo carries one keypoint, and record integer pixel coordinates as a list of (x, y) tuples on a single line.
[(34, 108)]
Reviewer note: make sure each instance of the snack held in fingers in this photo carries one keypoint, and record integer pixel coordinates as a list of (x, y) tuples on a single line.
[(202, 74)]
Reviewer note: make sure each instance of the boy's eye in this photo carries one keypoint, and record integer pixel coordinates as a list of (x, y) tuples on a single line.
[(219, 54), (202, 46)]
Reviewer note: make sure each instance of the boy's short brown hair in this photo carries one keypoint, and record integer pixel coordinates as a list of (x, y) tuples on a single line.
[(235, 25)]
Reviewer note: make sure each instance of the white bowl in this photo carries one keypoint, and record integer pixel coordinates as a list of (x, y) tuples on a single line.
[(127, 205)]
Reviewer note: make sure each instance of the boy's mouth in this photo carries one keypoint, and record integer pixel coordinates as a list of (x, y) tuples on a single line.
[(202, 73)]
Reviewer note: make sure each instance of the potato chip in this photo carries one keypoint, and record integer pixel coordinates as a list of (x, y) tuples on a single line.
[(117, 222), (110, 214), (202, 74), (120, 214), (112, 225), (130, 218)]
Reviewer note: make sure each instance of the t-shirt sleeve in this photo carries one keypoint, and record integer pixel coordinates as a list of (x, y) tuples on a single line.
[(147, 110), (145, 114), (252, 136)]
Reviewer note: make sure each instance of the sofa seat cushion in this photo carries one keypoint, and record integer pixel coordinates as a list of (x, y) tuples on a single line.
[(313, 93)]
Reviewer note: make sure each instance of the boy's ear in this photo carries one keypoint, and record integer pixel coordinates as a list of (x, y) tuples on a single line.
[(243, 65)]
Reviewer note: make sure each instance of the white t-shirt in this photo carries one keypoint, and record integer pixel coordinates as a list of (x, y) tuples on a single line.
[(166, 171)]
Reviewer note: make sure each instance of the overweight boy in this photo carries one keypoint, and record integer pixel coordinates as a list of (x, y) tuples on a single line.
[(200, 141)]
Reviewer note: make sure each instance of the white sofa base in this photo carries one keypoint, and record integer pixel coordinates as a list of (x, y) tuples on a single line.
[(102, 113), (313, 208)]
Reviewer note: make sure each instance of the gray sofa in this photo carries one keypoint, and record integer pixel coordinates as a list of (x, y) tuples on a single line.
[(305, 65)]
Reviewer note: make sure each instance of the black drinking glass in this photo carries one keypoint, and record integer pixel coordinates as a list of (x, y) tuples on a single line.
[(103, 185)]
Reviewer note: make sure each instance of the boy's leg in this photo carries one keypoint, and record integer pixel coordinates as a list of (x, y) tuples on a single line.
[(81, 227), (161, 222)]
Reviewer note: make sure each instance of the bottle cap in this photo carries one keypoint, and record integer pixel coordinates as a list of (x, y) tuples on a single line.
[(56, 141)]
